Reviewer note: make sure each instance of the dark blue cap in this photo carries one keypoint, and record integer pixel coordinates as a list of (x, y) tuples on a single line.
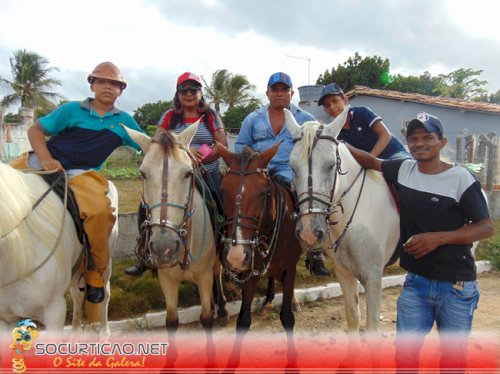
[(329, 89), (428, 122), (279, 78)]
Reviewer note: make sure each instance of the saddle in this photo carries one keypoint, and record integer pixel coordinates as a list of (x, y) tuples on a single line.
[(57, 185), (205, 185), (284, 183)]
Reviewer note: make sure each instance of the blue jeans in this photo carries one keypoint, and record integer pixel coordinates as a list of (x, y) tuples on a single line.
[(424, 301)]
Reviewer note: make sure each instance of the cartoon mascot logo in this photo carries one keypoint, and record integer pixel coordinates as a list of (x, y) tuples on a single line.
[(23, 336)]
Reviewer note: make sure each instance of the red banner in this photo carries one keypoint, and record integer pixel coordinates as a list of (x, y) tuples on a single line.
[(254, 352)]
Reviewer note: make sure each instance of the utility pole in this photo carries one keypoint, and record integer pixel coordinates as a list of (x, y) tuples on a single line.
[(308, 66)]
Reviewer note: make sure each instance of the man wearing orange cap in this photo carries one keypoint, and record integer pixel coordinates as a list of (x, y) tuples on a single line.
[(81, 136)]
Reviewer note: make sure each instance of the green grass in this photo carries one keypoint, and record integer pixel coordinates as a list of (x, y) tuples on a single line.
[(123, 172)]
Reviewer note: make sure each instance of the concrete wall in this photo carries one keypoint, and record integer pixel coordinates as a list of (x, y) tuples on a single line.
[(127, 234)]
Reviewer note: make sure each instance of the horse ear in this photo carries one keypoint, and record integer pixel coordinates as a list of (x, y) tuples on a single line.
[(140, 138), (268, 154), (187, 135), (334, 127), (291, 124), (225, 153)]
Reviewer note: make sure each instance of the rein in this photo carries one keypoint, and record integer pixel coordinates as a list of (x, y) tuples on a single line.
[(33, 207), (182, 229), (258, 241), (312, 196)]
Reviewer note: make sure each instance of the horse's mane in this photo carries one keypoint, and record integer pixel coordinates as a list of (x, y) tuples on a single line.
[(309, 130), (246, 155), (167, 141), (348, 160), (23, 230)]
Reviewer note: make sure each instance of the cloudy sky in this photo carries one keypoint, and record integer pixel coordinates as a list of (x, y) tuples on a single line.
[(153, 41)]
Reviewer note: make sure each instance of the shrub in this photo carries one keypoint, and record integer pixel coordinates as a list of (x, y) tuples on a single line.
[(489, 249), (122, 172)]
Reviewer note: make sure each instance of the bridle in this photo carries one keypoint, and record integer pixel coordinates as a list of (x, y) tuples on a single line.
[(180, 229), (262, 244), (310, 195)]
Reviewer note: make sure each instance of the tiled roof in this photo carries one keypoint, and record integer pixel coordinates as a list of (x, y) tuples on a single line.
[(425, 99)]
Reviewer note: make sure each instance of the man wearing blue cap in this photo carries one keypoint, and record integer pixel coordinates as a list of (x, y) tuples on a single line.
[(265, 127), (443, 211), (363, 128)]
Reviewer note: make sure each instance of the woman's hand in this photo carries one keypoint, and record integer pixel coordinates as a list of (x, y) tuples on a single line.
[(196, 154)]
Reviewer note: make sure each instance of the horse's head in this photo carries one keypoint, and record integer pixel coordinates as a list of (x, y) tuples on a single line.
[(167, 172), (247, 201), (315, 164)]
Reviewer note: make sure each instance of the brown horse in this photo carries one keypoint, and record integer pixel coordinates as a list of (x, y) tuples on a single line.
[(259, 230)]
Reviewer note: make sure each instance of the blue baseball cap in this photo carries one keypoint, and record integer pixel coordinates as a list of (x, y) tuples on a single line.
[(279, 78), (428, 122), (329, 89)]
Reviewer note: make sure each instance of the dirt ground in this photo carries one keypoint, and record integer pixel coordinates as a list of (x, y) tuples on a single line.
[(328, 314)]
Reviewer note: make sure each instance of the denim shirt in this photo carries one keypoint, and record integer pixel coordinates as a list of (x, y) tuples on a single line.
[(257, 133)]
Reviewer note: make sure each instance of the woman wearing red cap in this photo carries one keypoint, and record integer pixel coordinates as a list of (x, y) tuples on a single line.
[(189, 106)]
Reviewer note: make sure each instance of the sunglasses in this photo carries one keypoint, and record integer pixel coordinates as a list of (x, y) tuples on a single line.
[(184, 90)]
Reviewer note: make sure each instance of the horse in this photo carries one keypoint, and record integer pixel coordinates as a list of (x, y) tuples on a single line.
[(259, 230), (181, 239), (346, 210), (40, 255)]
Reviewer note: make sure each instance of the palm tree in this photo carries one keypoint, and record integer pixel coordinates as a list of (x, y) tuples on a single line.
[(216, 90), (238, 91), (30, 81), (230, 89)]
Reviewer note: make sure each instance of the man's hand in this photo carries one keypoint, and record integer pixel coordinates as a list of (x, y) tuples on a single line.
[(50, 164), (420, 244)]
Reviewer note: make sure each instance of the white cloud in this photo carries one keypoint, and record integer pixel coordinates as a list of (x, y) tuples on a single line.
[(154, 41)]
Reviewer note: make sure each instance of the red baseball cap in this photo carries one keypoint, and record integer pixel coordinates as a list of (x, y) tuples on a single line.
[(187, 76)]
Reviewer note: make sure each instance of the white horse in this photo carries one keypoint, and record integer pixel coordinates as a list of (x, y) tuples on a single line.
[(346, 210), (181, 243), (40, 255)]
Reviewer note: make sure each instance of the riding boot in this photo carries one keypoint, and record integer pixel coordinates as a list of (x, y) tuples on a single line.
[(315, 264), (136, 270), (90, 191), (95, 287)]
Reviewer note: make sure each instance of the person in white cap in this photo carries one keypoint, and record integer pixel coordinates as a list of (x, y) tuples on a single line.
[(443, 211)]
